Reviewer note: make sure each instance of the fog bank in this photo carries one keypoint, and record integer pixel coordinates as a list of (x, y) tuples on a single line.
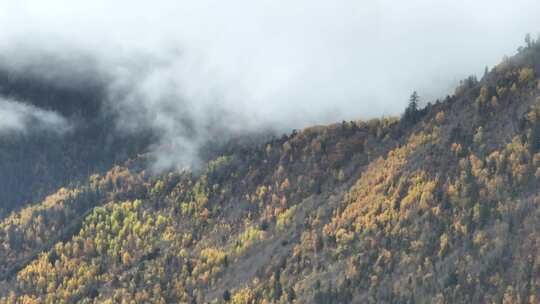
[(194, 69)]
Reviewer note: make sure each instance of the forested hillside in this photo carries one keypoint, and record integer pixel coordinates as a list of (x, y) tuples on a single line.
[(441, 205)]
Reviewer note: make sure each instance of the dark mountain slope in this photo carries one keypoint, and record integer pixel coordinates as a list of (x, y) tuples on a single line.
[(36, 163)]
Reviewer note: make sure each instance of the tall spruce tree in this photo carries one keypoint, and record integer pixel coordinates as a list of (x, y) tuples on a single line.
[(411, 114)]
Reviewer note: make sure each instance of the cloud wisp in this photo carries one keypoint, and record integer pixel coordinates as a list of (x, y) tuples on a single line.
[(20, 118)]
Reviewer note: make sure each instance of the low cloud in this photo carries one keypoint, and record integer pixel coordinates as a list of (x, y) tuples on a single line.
[(22, 118), (199, 71)]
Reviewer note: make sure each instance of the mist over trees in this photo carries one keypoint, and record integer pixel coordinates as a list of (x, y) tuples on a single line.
[(439, 205), (266, 152)]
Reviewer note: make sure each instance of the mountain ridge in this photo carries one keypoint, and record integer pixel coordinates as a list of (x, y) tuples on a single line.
[(441, 207)]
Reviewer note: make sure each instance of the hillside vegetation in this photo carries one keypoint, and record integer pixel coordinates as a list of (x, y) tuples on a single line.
[(439, 206)]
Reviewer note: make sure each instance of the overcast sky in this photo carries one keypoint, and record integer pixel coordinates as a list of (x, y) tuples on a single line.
[(249, 64), (293, 62)]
